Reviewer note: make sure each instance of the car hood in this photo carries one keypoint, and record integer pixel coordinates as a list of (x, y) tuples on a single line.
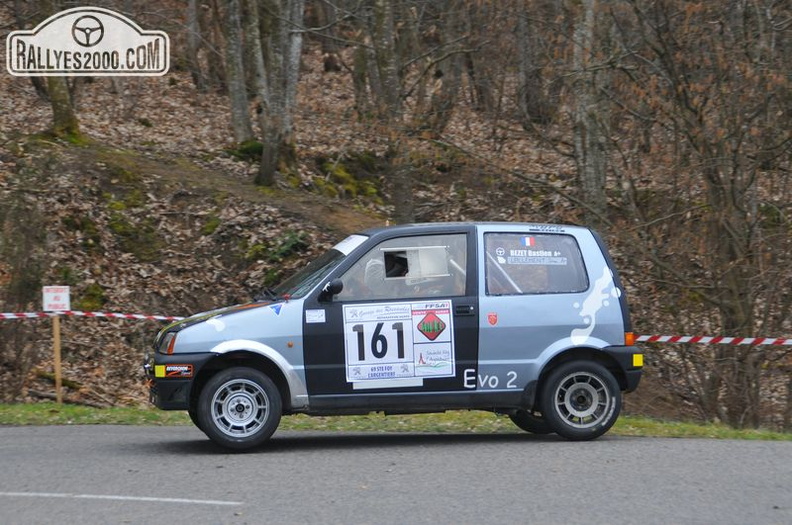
[(203, 317)]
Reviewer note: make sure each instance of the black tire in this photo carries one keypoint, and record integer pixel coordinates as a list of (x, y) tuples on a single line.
[(580, 400), (239, 408), (532, 422), (193, 413)]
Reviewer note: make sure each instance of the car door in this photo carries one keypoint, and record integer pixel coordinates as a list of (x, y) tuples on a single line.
[(405, 321)]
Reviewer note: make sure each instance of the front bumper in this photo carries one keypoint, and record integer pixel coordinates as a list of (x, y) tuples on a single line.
[(170, 378)]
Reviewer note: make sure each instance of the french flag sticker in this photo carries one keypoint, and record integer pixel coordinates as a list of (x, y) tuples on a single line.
[(529, 242)]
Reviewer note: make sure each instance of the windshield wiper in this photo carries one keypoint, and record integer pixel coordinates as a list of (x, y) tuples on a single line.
[(266, 294)]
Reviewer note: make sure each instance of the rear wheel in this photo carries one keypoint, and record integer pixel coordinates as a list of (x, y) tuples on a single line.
[(531, 421), (239, 408), (580, 400)]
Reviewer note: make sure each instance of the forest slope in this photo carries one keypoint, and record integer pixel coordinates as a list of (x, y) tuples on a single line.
[(155, 211), (152, 214)]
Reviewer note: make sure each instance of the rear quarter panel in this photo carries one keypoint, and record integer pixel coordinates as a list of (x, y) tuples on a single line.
[(519, 334)]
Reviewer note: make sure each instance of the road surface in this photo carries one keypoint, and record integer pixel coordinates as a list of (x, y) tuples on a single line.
[(148, 475)]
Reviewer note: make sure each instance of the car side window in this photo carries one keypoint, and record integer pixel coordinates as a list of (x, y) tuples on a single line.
[(408, 268), (518, 264)]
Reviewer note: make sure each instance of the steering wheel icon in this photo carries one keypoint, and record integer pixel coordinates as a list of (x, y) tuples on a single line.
[(87, 31)]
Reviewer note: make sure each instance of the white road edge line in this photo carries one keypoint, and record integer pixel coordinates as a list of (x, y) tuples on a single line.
[(117, 498)]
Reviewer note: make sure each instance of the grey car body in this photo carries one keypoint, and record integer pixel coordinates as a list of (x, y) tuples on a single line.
[(528, 320)]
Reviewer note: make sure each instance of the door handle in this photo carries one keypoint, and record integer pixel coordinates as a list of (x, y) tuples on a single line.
[(464, 309)]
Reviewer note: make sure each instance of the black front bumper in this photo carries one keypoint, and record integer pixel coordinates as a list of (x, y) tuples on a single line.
[(171, 378)]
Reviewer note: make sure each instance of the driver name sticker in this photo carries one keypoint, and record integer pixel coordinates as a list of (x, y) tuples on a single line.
[(314, 316), (398, 341)]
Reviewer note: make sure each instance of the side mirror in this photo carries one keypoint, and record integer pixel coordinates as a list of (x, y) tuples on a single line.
[(330, 289)]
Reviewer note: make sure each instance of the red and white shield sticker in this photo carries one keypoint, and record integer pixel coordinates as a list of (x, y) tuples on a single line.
[(492, 317)]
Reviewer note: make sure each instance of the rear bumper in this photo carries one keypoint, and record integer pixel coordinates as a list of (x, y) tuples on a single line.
[(630, 361)]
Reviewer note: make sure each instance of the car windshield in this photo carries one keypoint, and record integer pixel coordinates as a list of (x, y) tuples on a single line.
[(307, 278)]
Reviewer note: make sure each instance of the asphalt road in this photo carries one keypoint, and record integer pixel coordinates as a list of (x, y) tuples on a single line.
[(174, 475)]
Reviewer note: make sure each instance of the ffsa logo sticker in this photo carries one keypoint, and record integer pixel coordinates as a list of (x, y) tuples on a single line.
[(87, 41)]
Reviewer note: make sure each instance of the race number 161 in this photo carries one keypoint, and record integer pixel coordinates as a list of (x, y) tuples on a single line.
[(382, 341)]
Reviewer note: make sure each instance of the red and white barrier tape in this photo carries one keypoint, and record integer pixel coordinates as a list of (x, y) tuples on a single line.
[(35, 315), (641, 338), (714, 340)]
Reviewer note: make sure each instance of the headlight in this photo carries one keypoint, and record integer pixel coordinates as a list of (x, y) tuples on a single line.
[(167, 343)]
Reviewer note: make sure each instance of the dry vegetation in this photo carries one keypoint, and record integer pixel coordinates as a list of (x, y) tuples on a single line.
[(152, 213)]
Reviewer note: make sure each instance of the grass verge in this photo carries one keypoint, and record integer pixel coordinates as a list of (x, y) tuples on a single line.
[(449, 422)]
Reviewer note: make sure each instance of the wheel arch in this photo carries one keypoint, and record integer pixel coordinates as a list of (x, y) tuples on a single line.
[(247, 359), (581, 354)]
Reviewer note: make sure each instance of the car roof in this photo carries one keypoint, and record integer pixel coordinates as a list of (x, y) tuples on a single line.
[(439, 227)]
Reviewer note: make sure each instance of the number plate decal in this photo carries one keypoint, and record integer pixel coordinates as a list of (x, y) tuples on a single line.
[(396, 341)]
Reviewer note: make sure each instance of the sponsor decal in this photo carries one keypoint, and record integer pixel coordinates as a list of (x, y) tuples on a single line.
[(602, 292), (315, 316), (392, 342), (536, 257), (431, 326), (492, 318), (178, 370), (87, 41), (173, 371), (276, 308), (546, 228)]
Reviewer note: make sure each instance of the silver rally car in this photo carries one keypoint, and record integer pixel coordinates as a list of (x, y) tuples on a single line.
[(527, 320)]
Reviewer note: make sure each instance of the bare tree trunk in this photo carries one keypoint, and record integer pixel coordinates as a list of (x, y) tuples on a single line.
[(534, 104), (267, 83), (277, 87), (64, 119), (23, 231), (193, 46), (254, 48), (590, 118), (447, 72), (214, 58), (482, 91), (384, 42), (401, 175), (389, 108), (292, 51), (235, 70), (787, 418), (39, 83), (327, 17), (359, 81)]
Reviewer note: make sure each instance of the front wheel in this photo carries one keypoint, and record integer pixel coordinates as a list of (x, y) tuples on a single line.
[(580, 400), (193, 413), (239, 408)]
